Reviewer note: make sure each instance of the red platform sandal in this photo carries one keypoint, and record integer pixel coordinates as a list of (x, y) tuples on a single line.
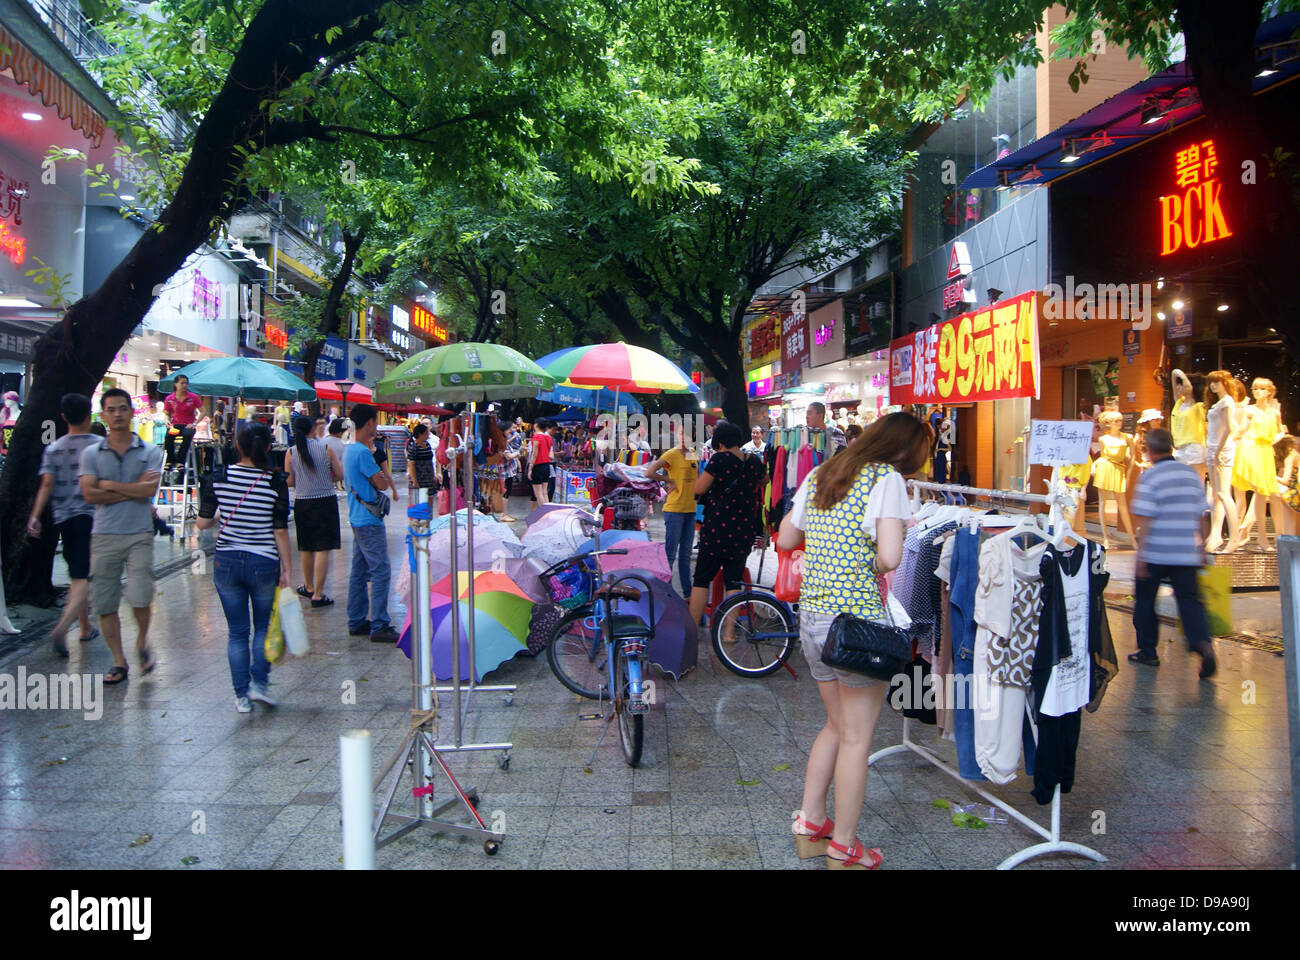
[(853, 857), (812, 844)]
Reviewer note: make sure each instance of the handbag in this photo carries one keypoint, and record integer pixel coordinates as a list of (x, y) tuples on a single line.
[(377, 508), (877, 650)]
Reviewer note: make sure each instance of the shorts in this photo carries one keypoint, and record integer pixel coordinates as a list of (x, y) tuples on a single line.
[(317, 522), (541, 473), (110, 554), (75, 532), (1192, 454), (813, 628), (708, 564)]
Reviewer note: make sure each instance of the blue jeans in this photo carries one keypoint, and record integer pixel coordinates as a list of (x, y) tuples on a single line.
[(679, 536), (369, 564), (964, 578), (241, 577)]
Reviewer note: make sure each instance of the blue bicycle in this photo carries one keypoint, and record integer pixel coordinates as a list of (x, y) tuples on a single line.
[(597, 652)]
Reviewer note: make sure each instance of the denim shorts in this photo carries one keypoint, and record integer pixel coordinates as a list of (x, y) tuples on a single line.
[(813, 628)]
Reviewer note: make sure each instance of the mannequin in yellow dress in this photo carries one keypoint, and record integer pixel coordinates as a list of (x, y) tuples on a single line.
[(1188, 425), (1255, 468), (1110, 472)]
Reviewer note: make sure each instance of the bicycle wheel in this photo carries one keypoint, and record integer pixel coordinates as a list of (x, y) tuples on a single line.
[(576, 653), (631, 726), (763, 630)]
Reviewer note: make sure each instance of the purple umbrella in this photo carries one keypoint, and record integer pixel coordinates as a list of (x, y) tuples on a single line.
[(674, 647)]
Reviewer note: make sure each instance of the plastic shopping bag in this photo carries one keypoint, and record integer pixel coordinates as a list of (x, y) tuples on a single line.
[(292, 625), (444, 502), (1216, 597), (274, 645), (789, 574)]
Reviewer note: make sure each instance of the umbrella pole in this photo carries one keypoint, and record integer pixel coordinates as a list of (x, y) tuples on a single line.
[(455, 606), (469, 552)]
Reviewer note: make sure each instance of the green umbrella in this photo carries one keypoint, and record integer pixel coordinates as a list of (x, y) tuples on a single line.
[(463, 372), (240, 377)]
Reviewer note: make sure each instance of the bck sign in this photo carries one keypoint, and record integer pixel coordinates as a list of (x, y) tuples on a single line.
[(1194, 215)]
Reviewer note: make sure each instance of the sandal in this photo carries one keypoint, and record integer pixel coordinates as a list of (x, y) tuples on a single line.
[(322, 602), (116, 675), (812, 844), (304, 592), (147, 662), (853, 857)]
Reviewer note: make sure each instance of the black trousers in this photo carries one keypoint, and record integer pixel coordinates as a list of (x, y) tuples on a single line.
[(169, 443), (1186, 594)]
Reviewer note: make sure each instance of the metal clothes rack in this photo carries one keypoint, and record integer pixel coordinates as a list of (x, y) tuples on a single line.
[(1052, 836)]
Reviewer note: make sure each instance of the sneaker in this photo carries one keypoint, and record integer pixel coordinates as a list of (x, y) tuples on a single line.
[(258, 692), (242, 705), (384, 635), (360, 629), (1148, 659)]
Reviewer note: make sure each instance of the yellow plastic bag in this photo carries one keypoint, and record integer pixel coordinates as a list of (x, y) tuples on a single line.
[(1216, 596), (274, 645)]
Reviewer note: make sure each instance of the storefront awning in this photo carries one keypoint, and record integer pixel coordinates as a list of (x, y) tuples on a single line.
[(32, 72), (1147, 109)]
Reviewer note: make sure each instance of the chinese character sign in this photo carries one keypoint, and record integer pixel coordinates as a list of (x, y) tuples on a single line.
[(1059, 443), (1191, 214), (794, 341), (988, 354)]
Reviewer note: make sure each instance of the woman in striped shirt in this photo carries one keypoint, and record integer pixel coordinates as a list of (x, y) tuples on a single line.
[(252, 547)]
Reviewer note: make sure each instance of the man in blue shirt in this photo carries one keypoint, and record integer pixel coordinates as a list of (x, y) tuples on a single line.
[(365, 481), (1172, 517)]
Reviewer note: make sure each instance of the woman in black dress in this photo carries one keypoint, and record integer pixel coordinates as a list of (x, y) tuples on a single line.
[(420, 472)]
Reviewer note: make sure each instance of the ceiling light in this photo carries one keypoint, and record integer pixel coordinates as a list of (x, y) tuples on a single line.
[(1160, 283), (1266, 72), (1222, 307), (1070, 152), (1177, 304), (17, 302), (31, 116), (1160, 314), (1152, 112), (127, 197)]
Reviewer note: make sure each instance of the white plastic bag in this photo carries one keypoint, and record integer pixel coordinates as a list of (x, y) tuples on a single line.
[(292, 623)]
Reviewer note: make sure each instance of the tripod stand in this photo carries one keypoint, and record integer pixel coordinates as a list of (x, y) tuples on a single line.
[(418, 750)]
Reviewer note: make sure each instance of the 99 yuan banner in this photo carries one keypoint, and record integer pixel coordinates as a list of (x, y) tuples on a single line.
[(987, 354)]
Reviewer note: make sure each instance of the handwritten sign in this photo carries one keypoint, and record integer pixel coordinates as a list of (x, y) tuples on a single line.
[(1059, 443)]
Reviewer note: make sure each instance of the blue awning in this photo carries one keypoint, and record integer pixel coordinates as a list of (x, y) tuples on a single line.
[(1117, 123)]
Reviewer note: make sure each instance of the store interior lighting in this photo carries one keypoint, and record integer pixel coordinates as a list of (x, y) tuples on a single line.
[(1152, 111), (1070, 152), (17, 302), (1222, 308), (31, 116), (1177, 304)]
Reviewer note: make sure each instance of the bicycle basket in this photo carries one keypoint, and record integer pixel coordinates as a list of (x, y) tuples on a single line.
[(628, 505), (572, 586)]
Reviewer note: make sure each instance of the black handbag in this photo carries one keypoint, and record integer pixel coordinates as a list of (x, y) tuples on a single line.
[(877, 650)]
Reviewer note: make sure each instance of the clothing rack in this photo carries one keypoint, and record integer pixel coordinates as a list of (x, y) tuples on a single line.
[(1052, 835)]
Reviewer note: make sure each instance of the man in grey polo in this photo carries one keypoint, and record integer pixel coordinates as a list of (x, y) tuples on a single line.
[(119, 475), (1172, 519)]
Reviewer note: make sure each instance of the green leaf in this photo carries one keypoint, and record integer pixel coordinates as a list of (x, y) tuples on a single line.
[(781, 767), (969, 821), (748, 783), (941, 804)]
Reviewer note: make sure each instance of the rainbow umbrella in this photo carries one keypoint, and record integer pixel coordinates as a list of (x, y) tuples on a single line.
[(620, 366), (502, 610)]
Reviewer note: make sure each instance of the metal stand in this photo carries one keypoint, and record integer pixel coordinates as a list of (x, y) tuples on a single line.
[(461, 704), (417, 748), (1054, 842), (187, 491)]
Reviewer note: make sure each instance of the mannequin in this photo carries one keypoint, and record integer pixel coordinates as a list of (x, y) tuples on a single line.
[(1290, 496), (8, 417), (281, 420), (1254, 468), (1151, 419), (1188, 425), (5, 625), (159, 425), (1110, 472), (1220, 452)]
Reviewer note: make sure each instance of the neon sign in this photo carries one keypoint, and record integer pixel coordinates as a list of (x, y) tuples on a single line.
[(428, 323), (824, 333), (1194, 216), (205, 296), (11, 245), (275, 336)]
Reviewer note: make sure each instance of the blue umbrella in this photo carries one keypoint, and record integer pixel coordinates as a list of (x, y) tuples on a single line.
[(602, 399), (609, 538), (240, 377)]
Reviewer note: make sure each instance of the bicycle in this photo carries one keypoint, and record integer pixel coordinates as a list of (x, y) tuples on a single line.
[(598, 653), (763, 631)]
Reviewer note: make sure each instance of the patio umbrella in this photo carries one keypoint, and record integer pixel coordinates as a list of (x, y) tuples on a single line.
[(425, 408), (602, 400), (501, 613), (240, 377), (329, 390), (620, 366), (463, 372)]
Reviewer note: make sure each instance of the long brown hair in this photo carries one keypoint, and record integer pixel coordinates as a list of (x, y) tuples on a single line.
[(1217, 376), (899, 440)]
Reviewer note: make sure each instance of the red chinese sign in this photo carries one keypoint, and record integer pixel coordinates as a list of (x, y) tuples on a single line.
[(428, 324), (988, 354), (1193, 215), (11, 245), (794, 340), (276, 336)]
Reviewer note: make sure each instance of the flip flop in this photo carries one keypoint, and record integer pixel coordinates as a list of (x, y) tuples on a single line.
[(304, 592), (147, 662), (116, 675), (93, 635)]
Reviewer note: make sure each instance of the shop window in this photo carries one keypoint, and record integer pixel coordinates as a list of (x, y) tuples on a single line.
[(1010, 426)]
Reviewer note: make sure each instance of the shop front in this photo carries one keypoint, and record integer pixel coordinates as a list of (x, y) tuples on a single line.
[(761, 350)]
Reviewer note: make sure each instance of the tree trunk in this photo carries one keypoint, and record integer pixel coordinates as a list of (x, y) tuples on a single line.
[(284, 40), (329, 322), (1262, 214), (735, 392)]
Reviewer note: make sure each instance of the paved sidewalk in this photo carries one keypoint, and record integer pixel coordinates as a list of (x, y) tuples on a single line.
[(1186, 773)]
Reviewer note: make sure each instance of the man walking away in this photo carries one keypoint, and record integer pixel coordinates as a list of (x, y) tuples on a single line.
[(365, 480), (73, 517), (1173, 522), (119, 475)]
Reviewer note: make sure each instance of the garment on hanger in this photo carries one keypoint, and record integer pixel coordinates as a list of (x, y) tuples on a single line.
[(964, 577)]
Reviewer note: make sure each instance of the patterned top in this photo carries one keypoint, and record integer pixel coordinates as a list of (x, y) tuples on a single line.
[(62, 459), (253, 504), (839, 573), (315, 482), (1171, 498), (731, 504), (420, 457)]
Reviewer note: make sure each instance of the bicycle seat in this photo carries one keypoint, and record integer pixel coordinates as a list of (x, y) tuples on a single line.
[(617, 592), (623, 626)]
